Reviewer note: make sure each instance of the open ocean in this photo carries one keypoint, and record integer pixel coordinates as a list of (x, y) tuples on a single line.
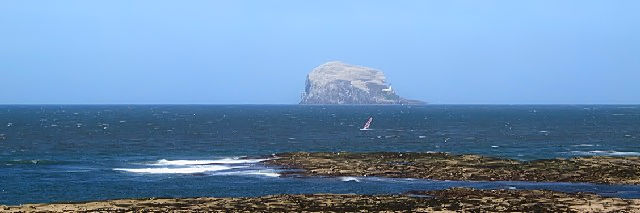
[(55, 153)]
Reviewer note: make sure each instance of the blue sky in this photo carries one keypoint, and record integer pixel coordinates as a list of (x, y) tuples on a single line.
[(259, 52)]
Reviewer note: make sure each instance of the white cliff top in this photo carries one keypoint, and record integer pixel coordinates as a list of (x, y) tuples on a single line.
[(359, 76)]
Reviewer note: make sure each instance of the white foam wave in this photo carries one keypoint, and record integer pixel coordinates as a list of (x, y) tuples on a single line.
[(608, 153), (251, 172), (264, 173), (346, 179), (223, 166), (184, 170), (583, 145), (165, 162)]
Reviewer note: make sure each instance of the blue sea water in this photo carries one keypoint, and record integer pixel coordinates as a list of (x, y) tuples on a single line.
[(76, 153)]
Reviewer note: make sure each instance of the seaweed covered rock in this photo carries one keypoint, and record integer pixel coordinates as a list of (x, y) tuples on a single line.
[(449, 200), (444, 166)]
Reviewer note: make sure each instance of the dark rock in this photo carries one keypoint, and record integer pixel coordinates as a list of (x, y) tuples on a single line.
[(450, 200), (443, 166)]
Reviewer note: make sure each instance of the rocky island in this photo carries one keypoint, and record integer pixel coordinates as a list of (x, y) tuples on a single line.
[(339, 83)]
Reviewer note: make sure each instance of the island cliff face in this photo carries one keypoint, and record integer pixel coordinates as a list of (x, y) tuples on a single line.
[(339, 83)]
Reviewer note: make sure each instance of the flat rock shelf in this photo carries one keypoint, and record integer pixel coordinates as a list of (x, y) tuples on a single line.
[(444, 166), (450, 200)]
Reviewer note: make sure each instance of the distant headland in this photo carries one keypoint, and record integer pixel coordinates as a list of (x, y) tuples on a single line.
[(339, 83)]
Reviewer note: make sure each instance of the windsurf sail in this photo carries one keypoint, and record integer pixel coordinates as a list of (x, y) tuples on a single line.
[(367, 124)]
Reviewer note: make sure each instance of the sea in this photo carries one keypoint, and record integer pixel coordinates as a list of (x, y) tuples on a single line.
[(73, 153)]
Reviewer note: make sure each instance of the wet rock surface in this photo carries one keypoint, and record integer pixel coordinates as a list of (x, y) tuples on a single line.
[(450, 200), (443, 166), (503, 200)]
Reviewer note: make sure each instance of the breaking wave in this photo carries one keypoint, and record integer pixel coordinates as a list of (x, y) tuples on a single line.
[(165, 162), (185, 170), (252, 172), (347, 179), (223, 166), (583, 145)]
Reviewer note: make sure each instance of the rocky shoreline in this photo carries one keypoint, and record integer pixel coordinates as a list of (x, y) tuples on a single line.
[(444, 166), (450, 200)]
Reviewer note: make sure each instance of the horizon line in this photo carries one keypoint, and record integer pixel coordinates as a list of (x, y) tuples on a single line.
[(289, 104)]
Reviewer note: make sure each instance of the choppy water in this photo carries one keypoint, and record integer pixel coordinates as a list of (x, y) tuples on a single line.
[(74, 153)]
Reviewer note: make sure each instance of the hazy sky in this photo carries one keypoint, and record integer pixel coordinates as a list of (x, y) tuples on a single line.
[(236, 52)]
